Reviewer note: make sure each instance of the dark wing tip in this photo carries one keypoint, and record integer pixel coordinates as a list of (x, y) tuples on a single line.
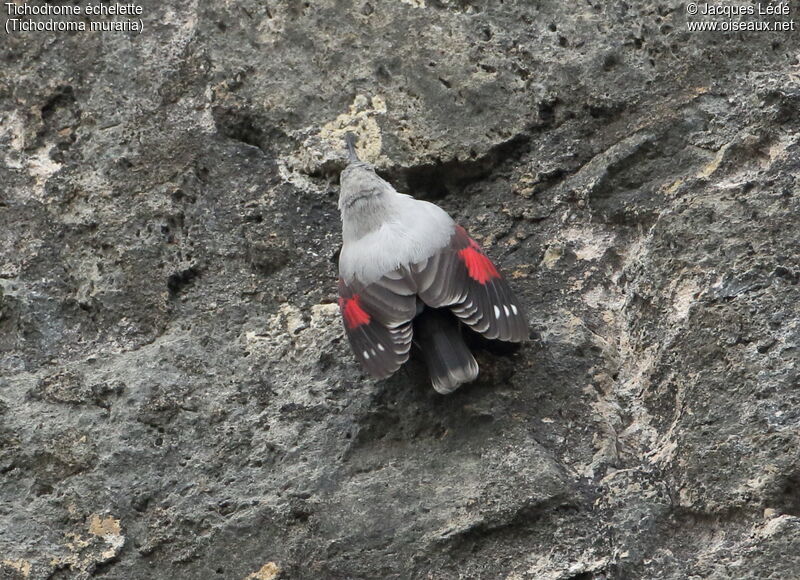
[(381, 351), (377, 322), (509, 324), (463, 278)]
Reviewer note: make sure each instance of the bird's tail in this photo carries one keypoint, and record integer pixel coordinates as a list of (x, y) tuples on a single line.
[(450, 363)]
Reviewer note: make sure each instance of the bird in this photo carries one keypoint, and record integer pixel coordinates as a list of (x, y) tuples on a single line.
[(409, 274)]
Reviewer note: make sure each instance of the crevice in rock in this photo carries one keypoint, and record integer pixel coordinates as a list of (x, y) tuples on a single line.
[(522, 521), (60, 115), (249, 128), (728, 516), (63, 98), (592, 575), (177, 281), (434, 181), (788, 497)]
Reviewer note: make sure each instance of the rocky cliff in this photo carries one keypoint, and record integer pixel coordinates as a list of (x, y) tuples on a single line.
[(177, 399)]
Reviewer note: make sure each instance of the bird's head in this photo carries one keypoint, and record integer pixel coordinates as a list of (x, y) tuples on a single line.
[(361, 188)]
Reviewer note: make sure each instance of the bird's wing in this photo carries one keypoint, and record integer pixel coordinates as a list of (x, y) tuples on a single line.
[(377, 320), (463, 278)]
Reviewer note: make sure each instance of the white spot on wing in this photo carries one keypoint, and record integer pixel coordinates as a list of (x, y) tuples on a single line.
[(380, 347), (513, 309), (496, 311), (366, 355), (505, 309)]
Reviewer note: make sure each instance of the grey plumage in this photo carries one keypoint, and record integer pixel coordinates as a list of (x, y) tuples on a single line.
[(399, 253)]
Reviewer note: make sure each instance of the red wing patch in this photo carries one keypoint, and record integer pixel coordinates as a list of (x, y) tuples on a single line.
[(479, 267), (352, 312)]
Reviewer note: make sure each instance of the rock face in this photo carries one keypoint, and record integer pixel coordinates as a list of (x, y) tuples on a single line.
[(176, 396)]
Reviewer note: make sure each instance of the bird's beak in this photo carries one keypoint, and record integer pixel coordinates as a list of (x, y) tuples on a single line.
[(350, 141)]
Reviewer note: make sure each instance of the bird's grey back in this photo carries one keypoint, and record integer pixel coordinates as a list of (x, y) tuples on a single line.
[(383, 231)]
